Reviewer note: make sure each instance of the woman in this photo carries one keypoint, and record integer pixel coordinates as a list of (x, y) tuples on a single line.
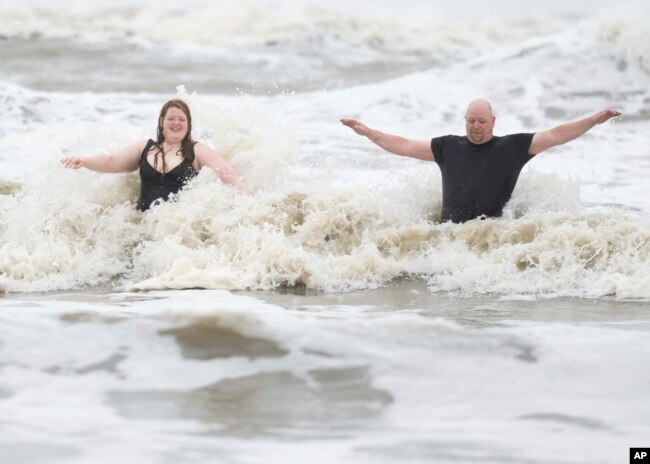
[(166, 164)]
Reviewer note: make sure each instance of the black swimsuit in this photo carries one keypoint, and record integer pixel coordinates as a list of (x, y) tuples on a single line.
[(158, 186)]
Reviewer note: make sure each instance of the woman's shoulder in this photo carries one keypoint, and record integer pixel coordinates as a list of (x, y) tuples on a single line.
[(201, 149), (133, 149), (141, 144)]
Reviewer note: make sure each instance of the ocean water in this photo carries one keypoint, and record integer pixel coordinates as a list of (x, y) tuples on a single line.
[(330, 316)]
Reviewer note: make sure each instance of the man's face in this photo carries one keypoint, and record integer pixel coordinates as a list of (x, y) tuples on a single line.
[(479, 124)]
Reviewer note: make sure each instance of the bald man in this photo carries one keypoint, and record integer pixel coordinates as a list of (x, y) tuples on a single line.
[(479, 170)]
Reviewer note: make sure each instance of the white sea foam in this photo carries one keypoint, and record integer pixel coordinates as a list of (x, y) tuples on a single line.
[(87, 233), (427, 28), (325, 213), (630, 32), (312, 230), (237, 24)]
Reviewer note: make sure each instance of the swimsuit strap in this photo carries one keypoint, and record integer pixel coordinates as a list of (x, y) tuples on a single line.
[(193, 155), (147, 147)]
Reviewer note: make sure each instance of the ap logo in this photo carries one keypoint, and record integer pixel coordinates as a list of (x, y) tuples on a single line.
[(640, 455)]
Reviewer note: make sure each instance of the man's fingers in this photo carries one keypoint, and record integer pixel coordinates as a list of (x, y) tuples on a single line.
[(353, 124), (611, 113), (606, 115)]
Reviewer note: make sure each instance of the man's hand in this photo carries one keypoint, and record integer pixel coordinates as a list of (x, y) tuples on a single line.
[(356, 126), (604, 116)]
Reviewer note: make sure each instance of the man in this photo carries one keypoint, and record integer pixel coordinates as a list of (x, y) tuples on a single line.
[(479, 170)]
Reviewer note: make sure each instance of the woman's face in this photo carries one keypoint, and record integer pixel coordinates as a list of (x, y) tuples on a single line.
[(174, 125)]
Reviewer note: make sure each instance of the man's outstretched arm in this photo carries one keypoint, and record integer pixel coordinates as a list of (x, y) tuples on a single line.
[(419, 149), (566, 132)]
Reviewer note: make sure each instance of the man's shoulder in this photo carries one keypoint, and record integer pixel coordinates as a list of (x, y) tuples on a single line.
[(516, 136), (517, 145), (449, 138), (517, 141)]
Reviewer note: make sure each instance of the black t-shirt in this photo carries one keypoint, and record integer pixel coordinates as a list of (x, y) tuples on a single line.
[(478, 180)]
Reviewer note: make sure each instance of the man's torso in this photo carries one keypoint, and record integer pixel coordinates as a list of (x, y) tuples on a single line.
[(478, 180)]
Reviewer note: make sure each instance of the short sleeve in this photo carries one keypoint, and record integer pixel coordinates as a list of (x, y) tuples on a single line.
[(521, 145), (438, 149)]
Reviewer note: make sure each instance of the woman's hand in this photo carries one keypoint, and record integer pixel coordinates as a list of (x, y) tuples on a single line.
[(72, 162)]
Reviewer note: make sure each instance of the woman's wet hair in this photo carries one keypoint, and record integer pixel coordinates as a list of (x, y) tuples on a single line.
[(186, 144)]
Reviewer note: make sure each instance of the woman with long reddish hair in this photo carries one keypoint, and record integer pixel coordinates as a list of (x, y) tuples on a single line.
[(167, 163)]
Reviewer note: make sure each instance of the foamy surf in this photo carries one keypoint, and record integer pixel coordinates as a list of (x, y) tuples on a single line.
[(88, 233), (303, 229)]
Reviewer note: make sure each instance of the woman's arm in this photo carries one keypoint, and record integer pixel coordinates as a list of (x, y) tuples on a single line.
[(206, 156), (125, 160)]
